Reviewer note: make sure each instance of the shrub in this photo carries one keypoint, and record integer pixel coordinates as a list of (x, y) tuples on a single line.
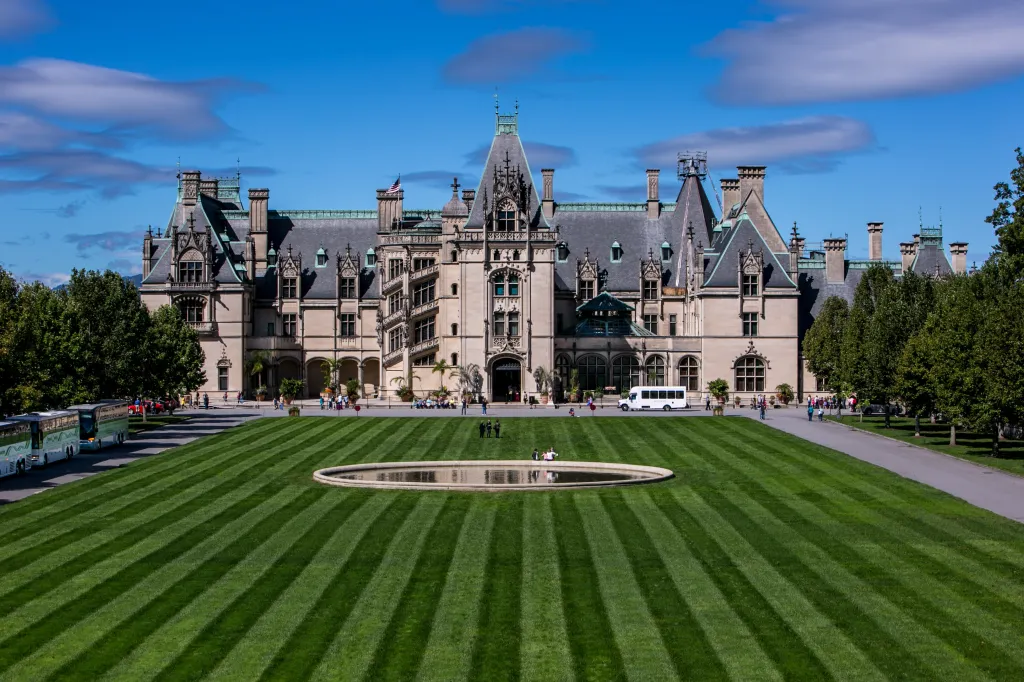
[(293, 411), (719, 389), (352, 390), (290, 388), (784, 393)]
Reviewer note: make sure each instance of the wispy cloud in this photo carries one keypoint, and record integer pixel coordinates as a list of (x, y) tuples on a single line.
[(813, 144), (439, 178), (21, 18), (79, 169), (512, 56), (111, 241), (486, 6), (539, 154), (69, 210), (125, 266), (50, 279), (635, 193), (834, 50)]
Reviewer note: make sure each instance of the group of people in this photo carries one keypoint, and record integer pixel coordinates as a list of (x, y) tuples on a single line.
[(335, 403), (819, 405), (547, 456), (485, 428), (438, 404)]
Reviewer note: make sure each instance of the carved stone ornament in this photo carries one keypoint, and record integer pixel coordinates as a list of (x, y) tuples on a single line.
[(751, 351)]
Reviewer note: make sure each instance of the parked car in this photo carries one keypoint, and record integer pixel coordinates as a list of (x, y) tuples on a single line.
[(879, 410)]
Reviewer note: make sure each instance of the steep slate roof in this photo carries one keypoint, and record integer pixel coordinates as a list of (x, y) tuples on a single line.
[(931, 260), (506, 146), (605, 303), (733, 242)]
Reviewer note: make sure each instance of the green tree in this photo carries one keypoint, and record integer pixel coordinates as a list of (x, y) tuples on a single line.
[(915, 384), (1008, 220), (444, 369), (8, 326), (855, 362), (823, 342), (259, 361), (176, 357), (999, 356)]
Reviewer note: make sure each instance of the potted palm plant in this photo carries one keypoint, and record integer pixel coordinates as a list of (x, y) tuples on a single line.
[(290, 389), (543, 379), (352, 390), (258, 362), (784, 392), (574, 386), (719, 390)]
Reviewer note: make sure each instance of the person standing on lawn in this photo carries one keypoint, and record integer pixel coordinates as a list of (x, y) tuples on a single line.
[(497, 428), (482, 428)]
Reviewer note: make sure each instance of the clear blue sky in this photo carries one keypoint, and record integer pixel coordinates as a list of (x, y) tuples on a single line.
[(862, 110)]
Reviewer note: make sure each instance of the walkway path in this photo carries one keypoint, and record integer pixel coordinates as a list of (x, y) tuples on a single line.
[(143, 444), (983, 487)]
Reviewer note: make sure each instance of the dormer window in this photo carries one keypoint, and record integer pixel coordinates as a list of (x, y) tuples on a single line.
[(587, 289), (371, 258), (321, 257), (347, 287), (666, 252), (290, 287), (507, 218), (562, 252), (750, 285), (271, 257), (190, 271), (616, 252), (650, 290)]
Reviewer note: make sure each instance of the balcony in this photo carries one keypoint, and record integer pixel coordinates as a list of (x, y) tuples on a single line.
[(394, 318), (399, 238), (203, 328), (423, 273), (425, 346), (392, 357), (391, 285), (538, 236), (348, 342), (174, 286), (425, 309)]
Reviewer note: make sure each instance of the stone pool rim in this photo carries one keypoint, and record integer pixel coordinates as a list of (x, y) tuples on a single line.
[(327, 475)]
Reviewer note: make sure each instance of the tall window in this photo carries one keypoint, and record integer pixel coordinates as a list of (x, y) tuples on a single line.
[(289, 287), (672, 328), (455, 330), (222, 378), (625, 372), (559, 323), (455, 359), (586, 289), (655, 371), (424, 330), (394, 339), (270, 329), (290, 324), (593, 372), (688, 373), (651, 324), (190, 271), (347, 326), (423, 294), (749, 324), (515, 254), (499, 324), (422, 263), (616, 252), (192, 310), (819, 385), (455, 290), (513, 285), (650, 289), (562, 368), (750, 374), (395, 267), (394, 303), (513, 324), (750, 285), (348, 287), (507, 218), (455, 256), (499, 284)]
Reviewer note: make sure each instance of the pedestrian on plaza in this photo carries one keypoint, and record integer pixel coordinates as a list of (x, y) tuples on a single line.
[(238, 400), (488, 428), (321, 402), (707, 402), (275, 403), (821, 414), (482, 428), (206, 401), (762, 410), (465, 406), (483, 404), (810, 411), (497, 428)]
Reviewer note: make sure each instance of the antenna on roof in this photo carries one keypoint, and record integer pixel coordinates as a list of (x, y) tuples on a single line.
[(238, 170)]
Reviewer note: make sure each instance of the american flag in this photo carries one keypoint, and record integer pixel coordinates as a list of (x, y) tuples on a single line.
[(395, 186)]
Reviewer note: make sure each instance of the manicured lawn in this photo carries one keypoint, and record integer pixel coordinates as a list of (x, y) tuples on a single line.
[(136, 425), (970, 446), (766, 558)]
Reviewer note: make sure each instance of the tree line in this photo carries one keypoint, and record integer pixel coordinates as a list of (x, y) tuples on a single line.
[(951, 347), (89, 340)]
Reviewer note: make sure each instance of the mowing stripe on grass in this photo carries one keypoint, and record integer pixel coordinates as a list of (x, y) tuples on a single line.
[(639, 640), (453, 632), (733, 643), (80, 512), (56, 569), (404, 640), (198, 636), (885, 571), (299, 656), (684, 639), (496, 650), (294, 604), (112, 631), (545, 642), (130, 556), (595, 654)]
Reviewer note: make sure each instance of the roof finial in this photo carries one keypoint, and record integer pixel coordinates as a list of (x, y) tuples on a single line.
[(495, 101), (455, 185), (795, 233), (920, 219)]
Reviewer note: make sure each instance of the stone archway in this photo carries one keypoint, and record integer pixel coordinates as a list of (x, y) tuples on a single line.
[(315, 380), (506, 377), (371, 376), (287, 368)]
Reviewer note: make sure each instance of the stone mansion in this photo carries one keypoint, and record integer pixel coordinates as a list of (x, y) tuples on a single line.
[(505, 277)]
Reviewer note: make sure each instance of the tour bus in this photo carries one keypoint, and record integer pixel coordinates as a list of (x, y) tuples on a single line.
[(102, 424), (15, 447), (54, 435), (654, 398)]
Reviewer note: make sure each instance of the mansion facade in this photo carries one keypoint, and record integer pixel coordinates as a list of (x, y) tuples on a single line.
[(506, 278)]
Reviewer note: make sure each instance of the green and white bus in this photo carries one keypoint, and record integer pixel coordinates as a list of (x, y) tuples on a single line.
[(102, 424), (15, 447), (54, 435)]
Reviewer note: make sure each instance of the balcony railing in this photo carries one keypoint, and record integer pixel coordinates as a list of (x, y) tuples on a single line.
[(536, 236), (394, 317), (423, 273), (348, 342), (203, 327), (424, 346), (173, 285), (392, 284), (425, 309), (399, 238), (392, 357)]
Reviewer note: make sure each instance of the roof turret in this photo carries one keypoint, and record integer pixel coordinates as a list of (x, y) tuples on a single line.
[(455, 208)]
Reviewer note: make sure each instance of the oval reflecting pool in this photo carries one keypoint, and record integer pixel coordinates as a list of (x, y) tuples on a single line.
[(493, 476)]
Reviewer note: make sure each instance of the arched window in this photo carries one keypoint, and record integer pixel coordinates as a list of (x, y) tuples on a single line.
[(455, 290), (593, 372), (192, 310), (371, 258), (562, 370), (513, 285), (499, 284), (497, 255), (616, 252), (507, 217), (750, 374), (455, 329), (689, 376), (656, 371), (515, 255), (625, 372)]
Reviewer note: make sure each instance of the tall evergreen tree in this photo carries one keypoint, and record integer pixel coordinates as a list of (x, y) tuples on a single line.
[(1008, 220), (823, 342), (855, 361)]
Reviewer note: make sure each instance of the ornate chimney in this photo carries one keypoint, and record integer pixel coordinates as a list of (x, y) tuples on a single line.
[(908, 251), (548, 202), (958, 257), (875, 241), (208, 188), (835, 260), (389, 209), (730, 194), (751, 180), (258, 199), (653, 202), (189, 187), (468, 197)]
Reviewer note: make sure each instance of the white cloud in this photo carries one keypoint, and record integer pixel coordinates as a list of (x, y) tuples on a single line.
[(20, 18), (833, 50), (512, 56), (810, 144)]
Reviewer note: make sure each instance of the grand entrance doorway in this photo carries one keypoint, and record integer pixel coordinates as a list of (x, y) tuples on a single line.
[(506, 376)]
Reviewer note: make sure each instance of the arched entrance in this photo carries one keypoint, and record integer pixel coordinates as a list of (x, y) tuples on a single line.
[(315, 377), (371, 375), (506, 378)]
